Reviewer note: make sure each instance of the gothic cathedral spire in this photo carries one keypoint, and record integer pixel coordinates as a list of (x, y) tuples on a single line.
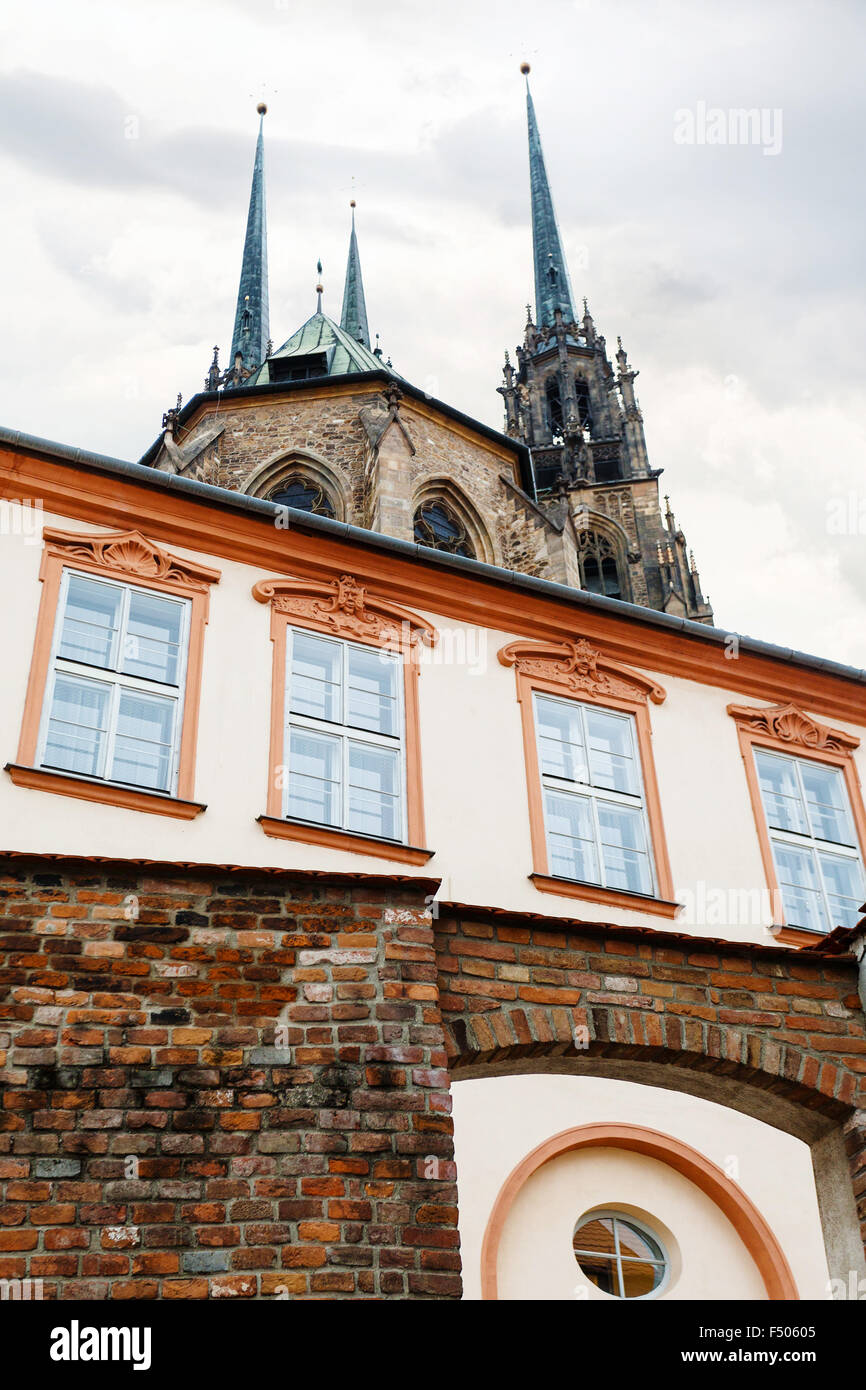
[(251, 332), (552, 285), (354, 316), (582, 422)]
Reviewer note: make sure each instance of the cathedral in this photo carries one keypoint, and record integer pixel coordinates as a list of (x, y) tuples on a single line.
[(403, 895), (585, 508)]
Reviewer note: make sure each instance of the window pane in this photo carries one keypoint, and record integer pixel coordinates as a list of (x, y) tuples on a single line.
[(781, 793), (626, 863), (374, 795), (634, 1244), (843, 881), (798, 880), (372, 697), (143, 743), (611, 755), (560, 741), (314, 777), (151, 644), (827, 803), (90, 621), (317, 667), (76, 726), (596, 1236), (639, 1279), (571, 837)]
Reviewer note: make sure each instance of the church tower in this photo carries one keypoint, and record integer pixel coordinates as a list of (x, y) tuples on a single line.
[(581, 420)]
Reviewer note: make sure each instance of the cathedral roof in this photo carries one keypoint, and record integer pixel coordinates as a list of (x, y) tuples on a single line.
[(343, 354)]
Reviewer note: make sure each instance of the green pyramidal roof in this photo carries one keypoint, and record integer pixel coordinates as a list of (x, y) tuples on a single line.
[(320, 334)]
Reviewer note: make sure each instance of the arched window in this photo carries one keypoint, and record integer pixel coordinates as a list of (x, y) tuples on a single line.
[(584, 405), (599, 570), (438, 526), (554, 406), (303, 494)]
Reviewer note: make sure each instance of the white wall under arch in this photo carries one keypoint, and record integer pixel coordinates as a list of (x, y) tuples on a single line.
[(499, 1120)]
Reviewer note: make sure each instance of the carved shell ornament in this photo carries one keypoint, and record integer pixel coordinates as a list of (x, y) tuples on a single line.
[(789, 724), (129, 553), (580, 667), (348, 609)]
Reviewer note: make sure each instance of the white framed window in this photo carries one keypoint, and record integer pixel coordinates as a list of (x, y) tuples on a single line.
[(345, 764), (620, 1255), (594, 807), (814, 843), (114, 700)]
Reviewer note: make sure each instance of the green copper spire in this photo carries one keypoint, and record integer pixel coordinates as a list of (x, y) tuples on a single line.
[(354, 316), (552, 285), (250, 336)]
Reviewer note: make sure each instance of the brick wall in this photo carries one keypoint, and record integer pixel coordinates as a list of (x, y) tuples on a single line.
[(221, 1084)]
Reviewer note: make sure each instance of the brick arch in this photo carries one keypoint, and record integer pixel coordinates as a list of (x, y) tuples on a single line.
[(773, 1033)]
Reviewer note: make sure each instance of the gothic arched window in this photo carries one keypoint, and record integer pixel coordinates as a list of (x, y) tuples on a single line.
[(303, 494), (584, 405), (438, 526), (554, 406), (599, 570)]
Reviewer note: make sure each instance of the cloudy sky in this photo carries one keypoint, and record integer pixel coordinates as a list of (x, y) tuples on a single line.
[(734, 276)]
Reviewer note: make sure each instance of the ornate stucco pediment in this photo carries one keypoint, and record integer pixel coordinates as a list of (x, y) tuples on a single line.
[(581, 668), (789, 724), (129, 553), (347, 609)]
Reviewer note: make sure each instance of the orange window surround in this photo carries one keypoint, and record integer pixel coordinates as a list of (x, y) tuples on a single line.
[(582, 672), (345, 609), (787, 729), (129, 558)]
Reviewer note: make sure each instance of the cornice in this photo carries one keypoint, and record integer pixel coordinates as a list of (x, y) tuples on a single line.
[(579, 667), (789, 724), (347, 609), (131, 555)]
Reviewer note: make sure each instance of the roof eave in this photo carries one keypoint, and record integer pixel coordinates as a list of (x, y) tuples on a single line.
[(579, 598)]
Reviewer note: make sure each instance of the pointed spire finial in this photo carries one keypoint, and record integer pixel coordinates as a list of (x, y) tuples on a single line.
[(250, 334), (552, 285), (353, 317), (320, 288)]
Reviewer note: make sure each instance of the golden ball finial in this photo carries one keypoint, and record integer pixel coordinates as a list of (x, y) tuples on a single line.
[(262, 109), (352, 204), (525, 69)]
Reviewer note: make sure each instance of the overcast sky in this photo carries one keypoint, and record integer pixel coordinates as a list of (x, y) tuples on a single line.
[(734, 276)]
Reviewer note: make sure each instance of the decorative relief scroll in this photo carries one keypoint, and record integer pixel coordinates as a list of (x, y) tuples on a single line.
[(791, 725), (129, 553), (347, 609), (581, 668)]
